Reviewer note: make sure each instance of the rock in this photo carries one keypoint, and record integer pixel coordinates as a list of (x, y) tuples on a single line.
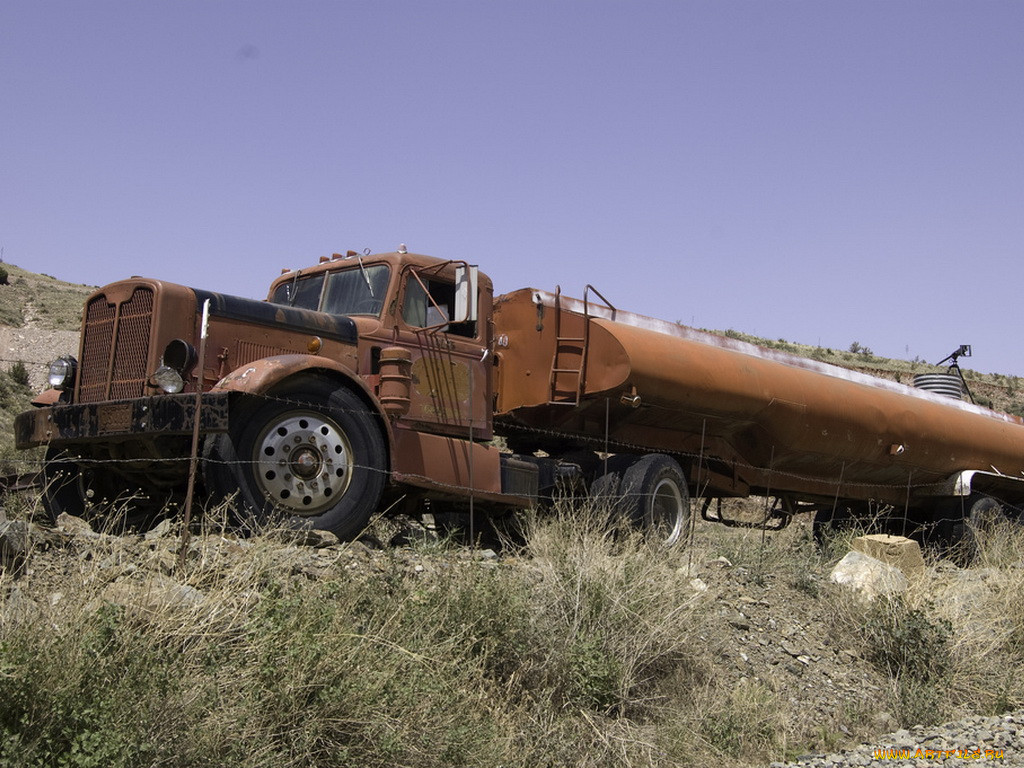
[(307, 537), (155, 594), (791, 649), (15, 543), (869, 576), (73, 525), (162, 529), (898, 551)]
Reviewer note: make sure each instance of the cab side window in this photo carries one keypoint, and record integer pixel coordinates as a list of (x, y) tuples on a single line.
[(432, 307)]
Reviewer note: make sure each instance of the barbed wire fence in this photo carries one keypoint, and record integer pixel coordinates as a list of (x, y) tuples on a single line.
[(891, 517)]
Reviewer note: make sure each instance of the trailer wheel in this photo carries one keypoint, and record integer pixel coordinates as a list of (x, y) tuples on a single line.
[(310, 454), (983, 516), (649, 492)]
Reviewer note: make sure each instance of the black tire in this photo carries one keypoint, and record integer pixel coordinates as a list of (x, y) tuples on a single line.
[(606, 483), (83, 488), (983, 515), (656, 498), (310, 454), (649, 492), (64, 488)]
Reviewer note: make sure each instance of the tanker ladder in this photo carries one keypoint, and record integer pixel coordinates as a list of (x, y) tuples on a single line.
[(564, 350)]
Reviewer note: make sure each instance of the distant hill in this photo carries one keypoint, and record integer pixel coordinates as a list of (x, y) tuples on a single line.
[(40, 317), (991, 390), (32, 300)]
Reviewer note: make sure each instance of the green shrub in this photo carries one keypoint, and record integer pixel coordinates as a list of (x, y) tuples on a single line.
[(19, 374), (914, 651)]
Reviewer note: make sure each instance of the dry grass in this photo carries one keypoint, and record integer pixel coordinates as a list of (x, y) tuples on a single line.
[(953, 643), (585, 646), (572, 655), (54, 303)]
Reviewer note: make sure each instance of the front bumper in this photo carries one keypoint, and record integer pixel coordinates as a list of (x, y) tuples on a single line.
[(118, 420)]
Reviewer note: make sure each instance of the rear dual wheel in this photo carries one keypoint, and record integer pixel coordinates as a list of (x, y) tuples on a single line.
[(309, 454), (650, 492)]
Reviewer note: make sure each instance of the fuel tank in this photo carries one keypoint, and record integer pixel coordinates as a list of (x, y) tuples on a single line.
[(773, 420)]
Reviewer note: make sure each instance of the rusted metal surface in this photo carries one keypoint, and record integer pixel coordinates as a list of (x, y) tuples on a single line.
[(451, 374), (784, 422), (21, 481), (395, 381), (259, 376), (120, 419), (125, 329), (449, 466), (569, 373)]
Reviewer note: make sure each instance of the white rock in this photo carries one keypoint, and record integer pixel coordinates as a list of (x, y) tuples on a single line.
[(868, 576)]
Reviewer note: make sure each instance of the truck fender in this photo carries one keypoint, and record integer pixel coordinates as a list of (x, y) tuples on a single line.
[(259, 376)]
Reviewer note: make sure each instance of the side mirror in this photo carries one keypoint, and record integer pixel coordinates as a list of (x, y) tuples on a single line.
[(466, 302)]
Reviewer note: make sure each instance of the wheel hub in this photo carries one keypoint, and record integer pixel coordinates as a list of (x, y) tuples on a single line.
[(667, 511), (306, 462), (303, 462)]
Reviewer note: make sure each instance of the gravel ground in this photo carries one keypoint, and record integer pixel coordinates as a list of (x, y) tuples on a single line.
[(974, 740), (36, 347)]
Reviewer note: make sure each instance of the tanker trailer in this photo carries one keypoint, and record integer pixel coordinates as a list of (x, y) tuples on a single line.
[(738, 419)]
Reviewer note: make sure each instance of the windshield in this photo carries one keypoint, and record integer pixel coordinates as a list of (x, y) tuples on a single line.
[(303, 293), (356, 291)]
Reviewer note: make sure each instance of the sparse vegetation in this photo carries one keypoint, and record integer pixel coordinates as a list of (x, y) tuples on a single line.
[(58, 304), (581, 647), (19, 374)]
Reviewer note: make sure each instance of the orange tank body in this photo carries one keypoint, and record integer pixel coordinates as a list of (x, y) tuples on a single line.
[(758, 420)]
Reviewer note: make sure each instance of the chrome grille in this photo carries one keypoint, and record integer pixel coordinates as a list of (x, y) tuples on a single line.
[(116, 347)]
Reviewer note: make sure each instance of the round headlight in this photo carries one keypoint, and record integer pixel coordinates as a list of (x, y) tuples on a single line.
[(168, 379), (62, 372)]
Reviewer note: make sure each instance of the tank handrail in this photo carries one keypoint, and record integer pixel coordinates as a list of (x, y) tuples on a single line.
[(586, 333), (607, 303)]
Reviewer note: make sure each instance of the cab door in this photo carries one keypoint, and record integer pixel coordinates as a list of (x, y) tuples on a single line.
[(451, 385)]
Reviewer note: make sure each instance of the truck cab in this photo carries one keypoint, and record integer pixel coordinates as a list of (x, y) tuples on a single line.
[(437, 310)]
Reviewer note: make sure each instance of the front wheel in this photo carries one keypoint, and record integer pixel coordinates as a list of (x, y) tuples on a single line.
[(85, 488), (66, 485), (310, 454)]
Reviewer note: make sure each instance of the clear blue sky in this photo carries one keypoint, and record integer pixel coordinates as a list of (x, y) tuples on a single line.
[(823, 172)]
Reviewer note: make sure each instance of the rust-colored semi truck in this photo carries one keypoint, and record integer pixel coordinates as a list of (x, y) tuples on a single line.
[(373, 382)]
